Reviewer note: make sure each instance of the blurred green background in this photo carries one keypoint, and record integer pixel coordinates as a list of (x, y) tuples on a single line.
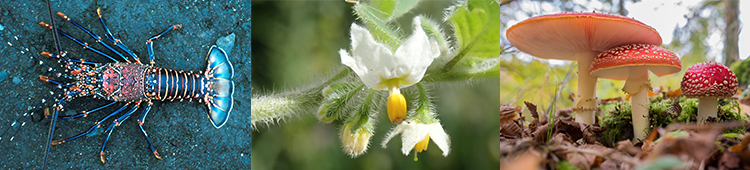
[(295, 45)]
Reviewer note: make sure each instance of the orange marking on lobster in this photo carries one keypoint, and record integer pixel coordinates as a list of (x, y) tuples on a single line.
[(44, 78), (63, 16), (57, 142), (45, 25)]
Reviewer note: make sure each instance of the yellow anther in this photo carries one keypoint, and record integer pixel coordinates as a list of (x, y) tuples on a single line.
[(396, 108), (422, 146)]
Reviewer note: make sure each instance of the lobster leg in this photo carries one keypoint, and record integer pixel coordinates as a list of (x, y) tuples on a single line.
[(114, 40), (85, 45), (53, 81), (112, 126), (141, 120), (50, 55), (58, 107), (92, 129), (150, 41), (84, 113), (93, 35)]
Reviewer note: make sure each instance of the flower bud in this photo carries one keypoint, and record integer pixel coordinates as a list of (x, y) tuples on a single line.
[(396, 108), (355, 141)]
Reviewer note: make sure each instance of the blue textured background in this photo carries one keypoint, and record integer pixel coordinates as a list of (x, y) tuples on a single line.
[(180, 131)]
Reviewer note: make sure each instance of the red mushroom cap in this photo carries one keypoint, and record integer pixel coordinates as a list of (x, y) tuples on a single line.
[(613, 63), (559, 36), (709, 79)]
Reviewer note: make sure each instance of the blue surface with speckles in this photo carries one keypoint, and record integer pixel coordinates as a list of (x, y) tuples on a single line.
[(180, 131)]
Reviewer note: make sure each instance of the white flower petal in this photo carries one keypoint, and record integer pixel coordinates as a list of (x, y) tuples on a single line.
[(417, 52), (371, 57), (441, 139), (395, 131), (413, 133)]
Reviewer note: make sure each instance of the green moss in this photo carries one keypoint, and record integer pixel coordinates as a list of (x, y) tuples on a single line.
[(662, 112), (617, 119)]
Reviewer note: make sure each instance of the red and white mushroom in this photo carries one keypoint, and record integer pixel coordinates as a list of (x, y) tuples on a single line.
[(632, 63), (579, 37), (708, 81)]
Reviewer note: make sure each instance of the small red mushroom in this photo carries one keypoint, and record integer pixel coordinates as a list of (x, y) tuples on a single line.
[(708, 81), (632, 63), (579, 36)]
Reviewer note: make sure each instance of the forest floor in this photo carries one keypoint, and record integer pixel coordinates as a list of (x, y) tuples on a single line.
[(675, 141)]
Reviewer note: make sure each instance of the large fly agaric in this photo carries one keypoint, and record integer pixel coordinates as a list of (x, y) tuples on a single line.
[(579, 37), (631, 63), (708, 81)]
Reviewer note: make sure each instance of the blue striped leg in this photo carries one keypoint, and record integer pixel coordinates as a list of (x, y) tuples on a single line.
[(114, 40), (84, 113), (141, 120), (85, 45), (93, 35), (150, 41), (81, 61), (112, 126), (58, 107), (92, 129)]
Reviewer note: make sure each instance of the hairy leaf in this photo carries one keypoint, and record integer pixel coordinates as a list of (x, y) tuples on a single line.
[(477, 28)]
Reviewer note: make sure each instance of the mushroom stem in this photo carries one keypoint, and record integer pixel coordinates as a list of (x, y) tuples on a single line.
[(586, 99), (637, 85), (639, 109), (707, 107)]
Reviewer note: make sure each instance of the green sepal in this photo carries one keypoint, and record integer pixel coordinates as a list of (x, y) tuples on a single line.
[(423, 113), (363, 116), (336, 95)]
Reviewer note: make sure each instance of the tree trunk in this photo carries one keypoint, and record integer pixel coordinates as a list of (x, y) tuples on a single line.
[(622, 11), (731, 32)]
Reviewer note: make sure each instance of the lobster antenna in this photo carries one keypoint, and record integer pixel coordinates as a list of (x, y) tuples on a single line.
[(54, 29), (65, 58)]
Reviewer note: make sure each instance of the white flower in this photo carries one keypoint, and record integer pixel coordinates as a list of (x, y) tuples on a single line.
[(381, 69), (413, 133)]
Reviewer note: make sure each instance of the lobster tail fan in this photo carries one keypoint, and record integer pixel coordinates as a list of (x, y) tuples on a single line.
[(221, 87)]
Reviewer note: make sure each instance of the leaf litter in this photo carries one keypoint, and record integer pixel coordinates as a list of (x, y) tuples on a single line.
[(573, 145)]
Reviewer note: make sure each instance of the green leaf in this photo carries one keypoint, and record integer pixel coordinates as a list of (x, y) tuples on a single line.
[(476, 25), (377, 23), (663, 162), (393, 9), (565, 165), (467, 69), (675, 134)]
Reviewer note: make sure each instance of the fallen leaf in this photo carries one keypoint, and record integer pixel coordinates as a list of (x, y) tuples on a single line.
[(674, 93), (511, 129), (729, 160), (507, 113)]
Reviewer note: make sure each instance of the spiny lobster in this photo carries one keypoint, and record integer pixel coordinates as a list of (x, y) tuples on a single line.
[(127, 80)]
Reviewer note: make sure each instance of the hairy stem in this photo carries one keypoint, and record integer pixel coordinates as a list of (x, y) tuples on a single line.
[(274, 108)]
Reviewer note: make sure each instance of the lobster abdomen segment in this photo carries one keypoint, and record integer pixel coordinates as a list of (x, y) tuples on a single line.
[(168, 84)]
